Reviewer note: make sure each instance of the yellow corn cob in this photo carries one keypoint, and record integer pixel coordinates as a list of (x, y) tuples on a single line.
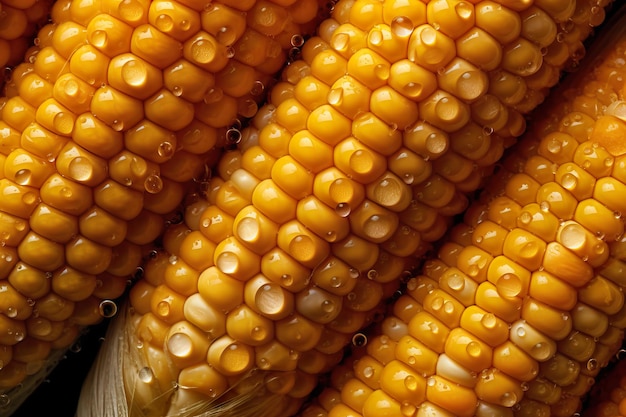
[(362, 155), (524, 304), (115, 110), (608, 396)]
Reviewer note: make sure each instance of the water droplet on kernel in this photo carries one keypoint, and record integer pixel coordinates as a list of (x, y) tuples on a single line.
[(340, 42), (145, 375), (165, 149), (80, 169), (23, 176), (402, 26), (153, 184), (335, 96), (107, 308), (98, 38), (203, 51)]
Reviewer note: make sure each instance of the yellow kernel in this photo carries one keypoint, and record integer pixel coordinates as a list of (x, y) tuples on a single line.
[(110, 35), (452, 17), (489, 298), (358, 161), (369, 68), (186, 80), (297, 332), (411, 80), (444, 111), (498, 20), (541, 285), (90, 65), (73, 93), (161, 50), (132, 75), (438, 390), (430, 49), (87, 256), (174, 19)]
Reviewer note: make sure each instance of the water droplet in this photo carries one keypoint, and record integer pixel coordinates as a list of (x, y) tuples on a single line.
[(213, 95), (203, 51), (328, 306), (413, 89), (153, 184), (569, 181), (402, 26), (180, 345), (98, 38), (541, 351), (407, 409), (233, 136), (228, 262), (302, 247), (592, 364), (165, 149), (335, 96), (184, 24), (107, 308), (359, 340), (410, 382), (163, 308), (145, 375), (368, 372), (164, 23), (464, 10), (473, 349), (343, 209), (508, 399), (297, 40), (375, 37), (264, 363), (287, 280), (80, 169), (23, 176), (377, 227), (257, 88), (134, 73), (177, 91), (340, 41), (456, 282), (489, 321), (437, 303), (381, 72), (258, 333)]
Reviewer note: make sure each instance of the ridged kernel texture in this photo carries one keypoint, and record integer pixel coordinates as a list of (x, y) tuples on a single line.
[(363, 154), (524, 303), (116, 108)]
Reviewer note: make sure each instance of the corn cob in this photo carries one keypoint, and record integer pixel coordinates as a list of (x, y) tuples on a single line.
[(524, 303), (309, 224), (116, 109)]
